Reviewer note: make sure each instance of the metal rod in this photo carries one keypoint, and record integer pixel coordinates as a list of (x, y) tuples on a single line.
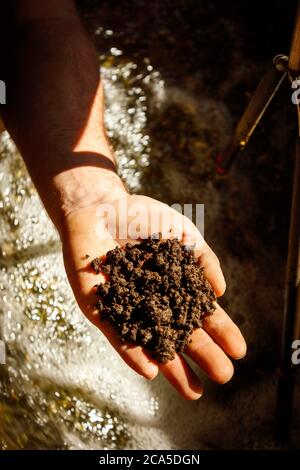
[(261, 99), (294, 57), (291, 321)]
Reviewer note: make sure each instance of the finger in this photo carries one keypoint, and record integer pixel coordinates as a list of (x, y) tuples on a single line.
[(83, 280), (192, 236), (225, 333), (134, 356), (210, 357), (212, 270), (206, 257), (182, 377), (78, 267)]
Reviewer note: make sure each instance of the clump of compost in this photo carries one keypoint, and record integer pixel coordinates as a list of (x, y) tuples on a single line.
[(155, 295)]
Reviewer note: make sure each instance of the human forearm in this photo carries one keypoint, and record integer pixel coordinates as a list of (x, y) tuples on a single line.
[(55, 108)]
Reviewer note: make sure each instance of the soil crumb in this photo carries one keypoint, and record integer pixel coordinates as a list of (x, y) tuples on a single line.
[(155, 295)]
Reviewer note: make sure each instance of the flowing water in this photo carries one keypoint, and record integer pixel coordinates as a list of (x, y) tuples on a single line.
[(63, 386)]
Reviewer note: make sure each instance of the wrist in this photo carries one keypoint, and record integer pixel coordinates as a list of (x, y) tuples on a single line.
[(83, 187)]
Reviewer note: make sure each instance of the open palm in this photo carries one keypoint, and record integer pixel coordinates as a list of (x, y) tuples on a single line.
[(86, 232)]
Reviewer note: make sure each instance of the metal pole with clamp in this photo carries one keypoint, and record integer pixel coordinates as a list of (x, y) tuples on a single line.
[(267, 88)]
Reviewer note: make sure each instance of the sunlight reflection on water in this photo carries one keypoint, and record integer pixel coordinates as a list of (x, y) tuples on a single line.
[(63, 385)]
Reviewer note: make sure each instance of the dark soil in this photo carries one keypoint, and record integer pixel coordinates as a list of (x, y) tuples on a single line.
[(155, 295)]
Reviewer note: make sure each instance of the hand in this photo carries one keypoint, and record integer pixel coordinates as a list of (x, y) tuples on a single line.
[(83, 232), (56, 119)]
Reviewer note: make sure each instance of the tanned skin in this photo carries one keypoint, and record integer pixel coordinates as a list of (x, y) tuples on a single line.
[(54, 113)]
